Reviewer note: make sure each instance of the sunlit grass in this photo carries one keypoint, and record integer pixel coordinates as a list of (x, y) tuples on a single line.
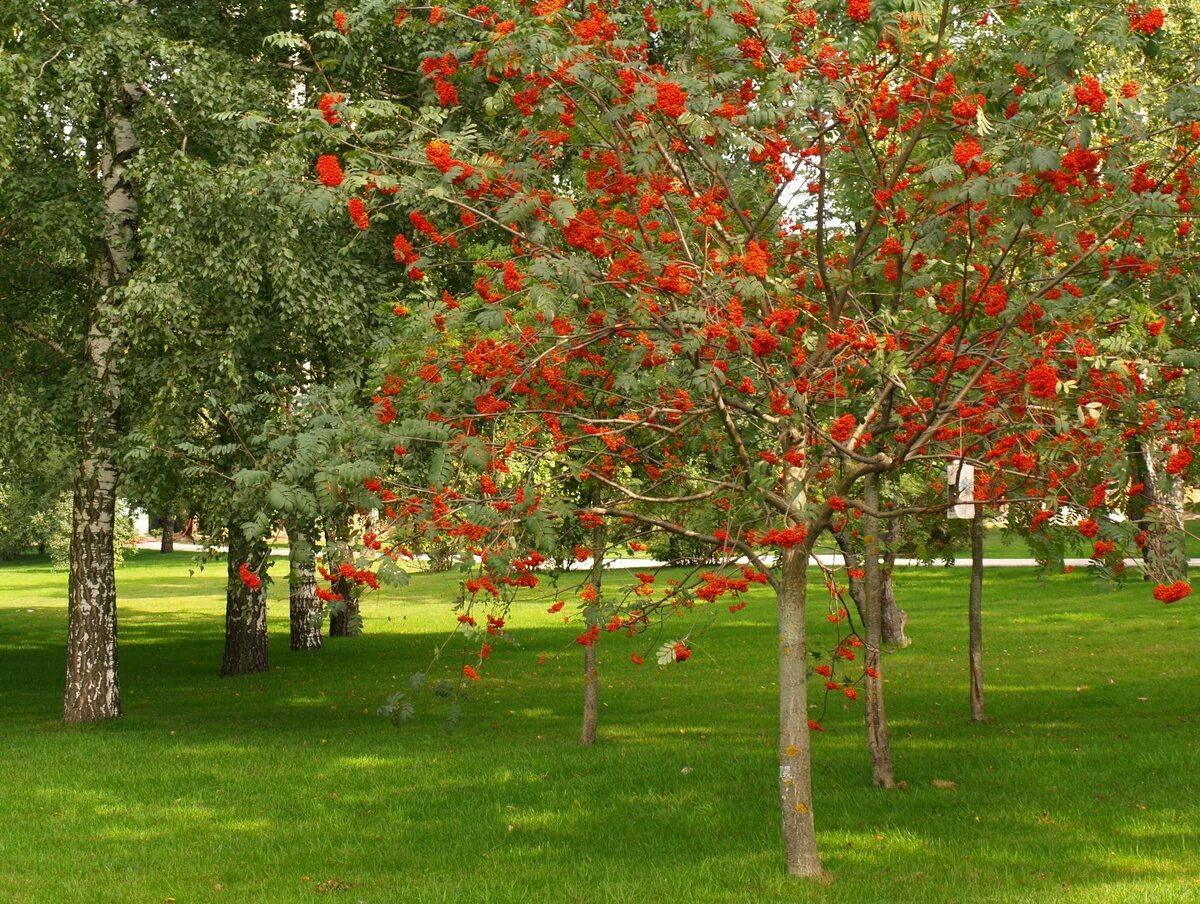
[(1083, 788)]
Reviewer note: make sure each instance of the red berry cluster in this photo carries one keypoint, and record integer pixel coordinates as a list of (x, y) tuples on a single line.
[(329, 170)]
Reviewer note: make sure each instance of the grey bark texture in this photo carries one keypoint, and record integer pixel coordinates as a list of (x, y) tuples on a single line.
[(591, 681), (894, 618), (975, 617), (795, 760)]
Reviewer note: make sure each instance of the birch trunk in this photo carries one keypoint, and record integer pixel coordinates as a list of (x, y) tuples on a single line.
[(245, 608), (1166, 546), (93, 678), (93, 690), (305, 607)]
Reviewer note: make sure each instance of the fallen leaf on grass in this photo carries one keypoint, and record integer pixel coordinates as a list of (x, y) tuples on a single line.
[(944, 784)]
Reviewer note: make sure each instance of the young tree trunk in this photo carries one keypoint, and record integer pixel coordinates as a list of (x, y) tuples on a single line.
[(975, 616), (878, 741), (245, 608), (168, 533), (795, 761), (591, 681), (93, 680), (894, 618), (305, 608)]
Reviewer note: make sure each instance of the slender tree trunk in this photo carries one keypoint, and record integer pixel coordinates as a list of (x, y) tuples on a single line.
[(894, 618), (93, 679), (591, 681), (878, 741), (795, 760), (168, 533), (305, 609), (976, 616), (245, 608)]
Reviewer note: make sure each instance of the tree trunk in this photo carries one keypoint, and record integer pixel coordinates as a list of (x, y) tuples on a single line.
[(894, 618), (1137, 503), (168, 533), (344, 620), (93, 689), (795, 761), (245, 608), (305, 609), (975, 616), (93, 680), (878, 741), (1166, 544), (591, 681)]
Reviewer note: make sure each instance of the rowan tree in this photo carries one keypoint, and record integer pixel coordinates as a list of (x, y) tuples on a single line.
[(808, 252)]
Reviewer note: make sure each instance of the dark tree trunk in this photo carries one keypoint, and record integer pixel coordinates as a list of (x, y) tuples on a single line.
[(305, 609), (93, 679), (1137, 503), (795, 761), (591, 681), (168, 533), (344, 617), (878, 741), (894, 618), (245, 608), (975, 617)]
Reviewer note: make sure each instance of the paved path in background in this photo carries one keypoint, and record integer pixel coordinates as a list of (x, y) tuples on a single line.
[(831, 560)]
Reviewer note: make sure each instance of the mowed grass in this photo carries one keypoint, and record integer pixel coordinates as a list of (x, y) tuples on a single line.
[(288, 787)]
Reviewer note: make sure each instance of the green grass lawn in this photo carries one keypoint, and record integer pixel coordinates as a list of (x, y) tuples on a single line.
[(287, 787)]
